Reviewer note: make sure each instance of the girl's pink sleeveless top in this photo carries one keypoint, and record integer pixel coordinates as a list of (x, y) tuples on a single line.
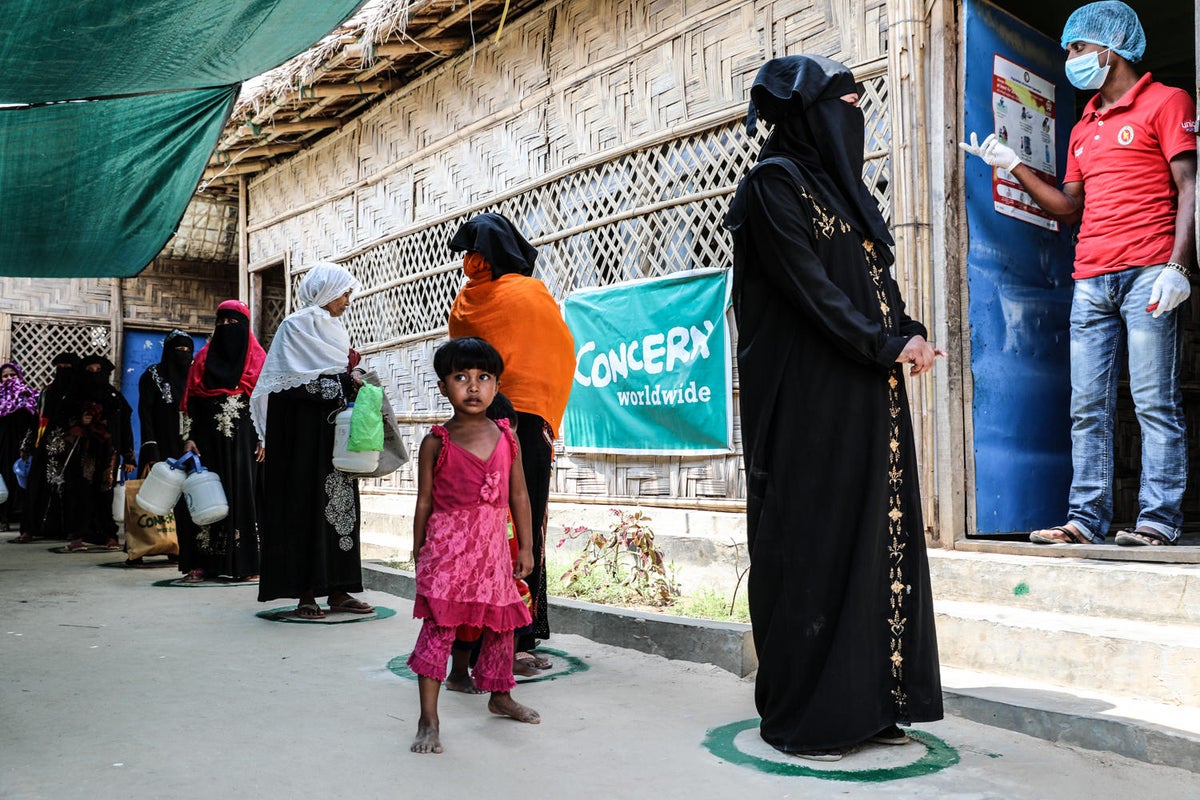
[(464, 571)]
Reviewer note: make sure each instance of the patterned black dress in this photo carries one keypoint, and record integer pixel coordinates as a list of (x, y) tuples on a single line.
[(310, 515)]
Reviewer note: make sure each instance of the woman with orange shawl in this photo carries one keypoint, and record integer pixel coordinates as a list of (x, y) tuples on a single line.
[(503, 304), (217, 406)]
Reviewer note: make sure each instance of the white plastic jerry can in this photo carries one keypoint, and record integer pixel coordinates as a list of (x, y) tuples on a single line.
[(3, 490), (162, 487), (343, 458), (205, 496)]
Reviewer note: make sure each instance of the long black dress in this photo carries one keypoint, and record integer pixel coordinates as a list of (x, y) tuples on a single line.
[(15, 429), (310, 516), (839, 582), (52, 508), (224, 435)]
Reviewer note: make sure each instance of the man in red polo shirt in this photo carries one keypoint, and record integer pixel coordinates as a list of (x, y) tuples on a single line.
[(1131, 179)]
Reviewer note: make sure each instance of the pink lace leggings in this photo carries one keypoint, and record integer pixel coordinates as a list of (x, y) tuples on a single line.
[(493, 671)]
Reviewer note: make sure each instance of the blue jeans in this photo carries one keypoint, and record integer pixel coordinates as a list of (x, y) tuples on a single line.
[(1108, 315)]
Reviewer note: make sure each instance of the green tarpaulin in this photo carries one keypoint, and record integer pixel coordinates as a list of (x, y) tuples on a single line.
[(113, 109)]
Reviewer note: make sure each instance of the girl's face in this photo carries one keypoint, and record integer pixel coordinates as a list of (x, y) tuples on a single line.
[(337, 306), (470, 391), (7, 374)]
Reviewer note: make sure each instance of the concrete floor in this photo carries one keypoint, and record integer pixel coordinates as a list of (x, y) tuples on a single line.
[(116, 688)]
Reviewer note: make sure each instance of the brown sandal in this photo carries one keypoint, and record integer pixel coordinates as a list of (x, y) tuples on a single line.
[(1142, 537), (1059, 534)]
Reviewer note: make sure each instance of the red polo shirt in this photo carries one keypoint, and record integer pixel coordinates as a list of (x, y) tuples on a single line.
[(1122, 155)]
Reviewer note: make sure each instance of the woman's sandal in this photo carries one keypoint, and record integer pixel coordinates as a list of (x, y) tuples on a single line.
[(351, 605), (309, 611), (1059, 534), (533, 660), (1143, 537), (195, 576)]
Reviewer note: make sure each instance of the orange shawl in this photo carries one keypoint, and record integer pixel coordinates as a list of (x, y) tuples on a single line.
[(518, 316)]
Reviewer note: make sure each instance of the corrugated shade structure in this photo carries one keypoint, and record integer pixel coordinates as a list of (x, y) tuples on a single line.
[(109, 111)]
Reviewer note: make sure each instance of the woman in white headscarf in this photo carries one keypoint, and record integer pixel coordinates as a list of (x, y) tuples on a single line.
[(310, 520)]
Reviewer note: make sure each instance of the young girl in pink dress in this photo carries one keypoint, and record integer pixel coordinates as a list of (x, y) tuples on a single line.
[(469, 478)]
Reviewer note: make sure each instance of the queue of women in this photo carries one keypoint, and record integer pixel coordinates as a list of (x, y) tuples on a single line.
[(839, 582)]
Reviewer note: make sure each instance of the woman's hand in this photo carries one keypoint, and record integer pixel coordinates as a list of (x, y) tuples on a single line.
[(921, 354), (190, 447), (524, 564), (260, 452)]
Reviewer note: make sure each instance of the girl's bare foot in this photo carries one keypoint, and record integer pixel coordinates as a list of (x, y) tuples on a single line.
[(428, 740), (461, 683), (502, 703)]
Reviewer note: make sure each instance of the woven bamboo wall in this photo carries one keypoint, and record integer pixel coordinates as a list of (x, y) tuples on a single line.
[(609, 132), (40, 318)]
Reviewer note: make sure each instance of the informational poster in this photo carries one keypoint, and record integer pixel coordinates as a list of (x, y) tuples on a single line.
[(652, 367), (1023, 107)]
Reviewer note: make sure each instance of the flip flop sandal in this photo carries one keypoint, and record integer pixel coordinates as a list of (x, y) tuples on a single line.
[(533, 660), (891, 735), (309, 611), (1064, 535), (1142, 537), (352, 606)]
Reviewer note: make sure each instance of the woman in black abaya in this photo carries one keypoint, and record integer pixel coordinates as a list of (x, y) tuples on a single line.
[(217, 407), (310, 517), (839, 580)]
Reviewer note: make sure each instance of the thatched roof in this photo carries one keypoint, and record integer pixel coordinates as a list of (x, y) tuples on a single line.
[(387, 44)]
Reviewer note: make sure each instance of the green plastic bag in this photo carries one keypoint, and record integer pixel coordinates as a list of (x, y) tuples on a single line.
[(366, 421)]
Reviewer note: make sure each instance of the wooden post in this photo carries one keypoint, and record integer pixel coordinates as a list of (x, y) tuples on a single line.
[(243, 241)]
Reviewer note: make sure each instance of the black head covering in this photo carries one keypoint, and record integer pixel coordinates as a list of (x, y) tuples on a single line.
[(174, 363), (498, 241), (819, 132), (226, 360), (95, 385)]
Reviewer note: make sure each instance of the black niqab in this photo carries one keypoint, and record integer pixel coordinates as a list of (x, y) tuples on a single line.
[(821, 134), (226, 360), (175, 363), (498, 241)]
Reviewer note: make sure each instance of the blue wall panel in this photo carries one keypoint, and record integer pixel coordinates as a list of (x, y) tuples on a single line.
[(1019, 279)]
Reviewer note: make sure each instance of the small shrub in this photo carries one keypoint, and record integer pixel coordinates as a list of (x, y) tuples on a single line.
[(623, 562)]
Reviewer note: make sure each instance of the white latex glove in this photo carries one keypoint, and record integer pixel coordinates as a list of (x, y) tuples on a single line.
[(1170, 289), (994, 152)]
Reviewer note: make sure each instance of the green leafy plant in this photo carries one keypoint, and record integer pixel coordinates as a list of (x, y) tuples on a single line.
[(624, 558)]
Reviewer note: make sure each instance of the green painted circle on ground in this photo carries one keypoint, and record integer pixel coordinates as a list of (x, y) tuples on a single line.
[(180, 583), (287, 614), (399, 667), (938, 756)]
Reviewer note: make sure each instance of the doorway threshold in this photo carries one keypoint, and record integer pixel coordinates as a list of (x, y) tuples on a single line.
[(1176, 554)]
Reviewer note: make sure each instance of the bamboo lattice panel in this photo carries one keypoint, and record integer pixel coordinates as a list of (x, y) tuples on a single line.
[(207, 232), (35, 341), (576, 146), (78, 297)]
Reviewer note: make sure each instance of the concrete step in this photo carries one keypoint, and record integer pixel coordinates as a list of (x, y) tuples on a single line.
[(1159, 593), (1130, 658), (1152, 732)]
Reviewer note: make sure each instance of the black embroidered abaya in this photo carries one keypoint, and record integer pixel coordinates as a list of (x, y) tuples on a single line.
[(839, 583)]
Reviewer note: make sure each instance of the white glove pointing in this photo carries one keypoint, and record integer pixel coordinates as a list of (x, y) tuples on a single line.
[(1170, 289), (994, 152)]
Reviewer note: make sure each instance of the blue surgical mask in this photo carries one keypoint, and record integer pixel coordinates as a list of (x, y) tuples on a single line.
[(1086, 73)]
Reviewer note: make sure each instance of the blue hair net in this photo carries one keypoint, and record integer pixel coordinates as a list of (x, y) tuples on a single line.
[(1109, 23)]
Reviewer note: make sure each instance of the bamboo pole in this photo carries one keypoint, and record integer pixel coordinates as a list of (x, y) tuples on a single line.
[(910, 217), (243, 243)]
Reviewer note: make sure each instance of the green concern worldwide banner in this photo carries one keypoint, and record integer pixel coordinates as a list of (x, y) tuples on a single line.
[(652, 367)]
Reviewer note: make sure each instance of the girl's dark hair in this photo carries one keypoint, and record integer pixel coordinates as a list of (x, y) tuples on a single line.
[(469, 352), (502, 408)]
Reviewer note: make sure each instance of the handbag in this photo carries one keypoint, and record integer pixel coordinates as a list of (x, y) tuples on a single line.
[(147, 534), (394, 455)]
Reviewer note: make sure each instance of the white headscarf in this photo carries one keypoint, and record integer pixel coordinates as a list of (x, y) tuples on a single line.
[(310, 341)]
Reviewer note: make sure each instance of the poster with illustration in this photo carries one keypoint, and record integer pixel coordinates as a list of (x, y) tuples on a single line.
[(1023, 108)]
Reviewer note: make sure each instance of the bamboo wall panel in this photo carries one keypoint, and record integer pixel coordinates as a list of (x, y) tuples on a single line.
[(611, 133), (91, 297), (178, 294), (207, 232)]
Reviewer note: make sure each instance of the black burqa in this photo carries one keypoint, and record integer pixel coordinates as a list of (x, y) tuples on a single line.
[(52, 449), (839, 580), (219, 409), (160, 391)]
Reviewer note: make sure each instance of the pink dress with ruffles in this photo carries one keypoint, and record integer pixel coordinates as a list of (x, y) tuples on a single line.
[(464, 572)]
